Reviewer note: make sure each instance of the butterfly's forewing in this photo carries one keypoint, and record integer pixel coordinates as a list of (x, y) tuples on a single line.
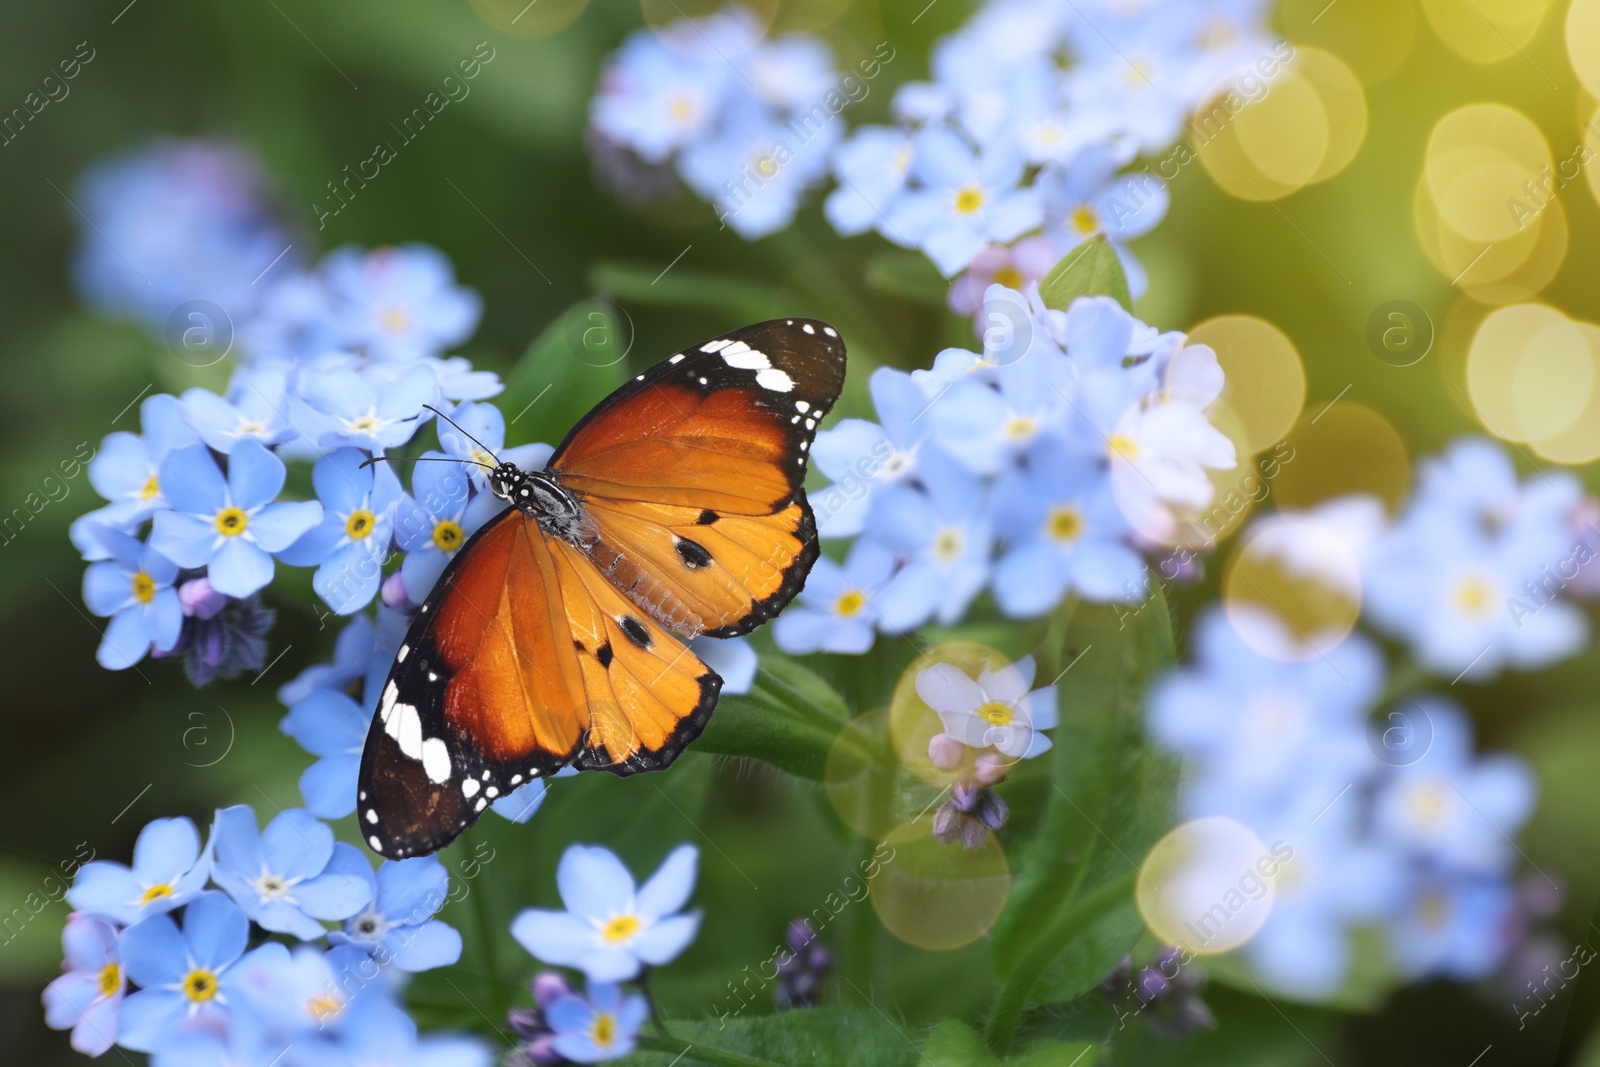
[(522, 660), (693, 474)]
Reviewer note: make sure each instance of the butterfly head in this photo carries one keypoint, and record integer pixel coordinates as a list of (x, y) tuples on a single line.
[(508, 482)]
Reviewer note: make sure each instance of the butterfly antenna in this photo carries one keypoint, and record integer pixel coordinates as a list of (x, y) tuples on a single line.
[(423, 459), (464, 433)]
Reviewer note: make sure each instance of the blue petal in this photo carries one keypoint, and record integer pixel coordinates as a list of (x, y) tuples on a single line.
[(191, 482), (295, 845), (343, 889), (421, 948), (109, 890), (521, 803), (328, 786), (166, 848), (277, 526), (126, 639), (668, 889), (411, 890), (185, 539), (554, 937), (215, 929), (327, 723), (593, 882), (255, 475), (663, 941), (239, 568), (106, 588), (153, 952), (342, 485)]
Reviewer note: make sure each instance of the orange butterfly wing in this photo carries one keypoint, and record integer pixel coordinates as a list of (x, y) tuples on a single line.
[(693, 475), (522, 660)]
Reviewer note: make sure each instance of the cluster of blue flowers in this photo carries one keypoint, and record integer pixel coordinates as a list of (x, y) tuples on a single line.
[(611, 930), (742, 120), (1037, 469), (1033, 117), (195, 993), (1393, 819)]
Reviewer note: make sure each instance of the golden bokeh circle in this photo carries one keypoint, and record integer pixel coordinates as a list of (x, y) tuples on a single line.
[(1485, 31), (937, 896), (1345, 103), (1339, 450), (519, 18), (1583, 42), (1208, 886), (666, 14), (1477, 160), (1285, 135), (1516, 369), (1266, 381), (1234, 492), (863, 779), (1373, 36), (1292, 588), (1580, 441)]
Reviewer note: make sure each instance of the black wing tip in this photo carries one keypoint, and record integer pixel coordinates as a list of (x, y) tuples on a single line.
[(683, 735)]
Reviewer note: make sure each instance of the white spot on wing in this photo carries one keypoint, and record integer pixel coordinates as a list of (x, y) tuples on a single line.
[(744, 357), (401, 658), (515, 778), (372, 816), (676, 359), (830, 331), (406, 728), (390, 693), (806, 326), (480, 805), (491, 792), (716, 346), (436, 759), (802, 406), (469, 788), (377, 846), (774, 379)]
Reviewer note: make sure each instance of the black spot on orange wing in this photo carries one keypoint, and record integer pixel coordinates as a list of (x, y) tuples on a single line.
[(693, 554)]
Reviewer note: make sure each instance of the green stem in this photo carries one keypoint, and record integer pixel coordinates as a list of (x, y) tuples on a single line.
[(1015, 994), (717, 1057)]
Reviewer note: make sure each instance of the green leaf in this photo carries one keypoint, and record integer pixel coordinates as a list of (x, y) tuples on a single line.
[(1091, 269), (743, 300), (817, 1037), (1071, 916), (907, 274), (1057, 1054), (569, 368), (789, 718), (955, 1044)]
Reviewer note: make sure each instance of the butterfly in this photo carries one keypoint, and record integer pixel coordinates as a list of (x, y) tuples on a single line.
[(556, 634)]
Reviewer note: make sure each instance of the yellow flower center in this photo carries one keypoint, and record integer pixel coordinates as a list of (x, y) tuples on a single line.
[(620, 929), (156, 892), (394, 319), (1085, 221), (996, 713), (110, 979), (252, 428), (364, 424), (850, 604), (681, 108), (231, 522), (1430, 803), (969, 199), (604, 1030), (1020, 428), (1140, 75), (144, 588), (447, 535), (1432, 909), (1124, 446), (766, 166), (323, 1007), (1065, 523), (1473, 595), (947, 546), (360, 524), (478, 455), (1008, 276), (150, 489), (200, 986)]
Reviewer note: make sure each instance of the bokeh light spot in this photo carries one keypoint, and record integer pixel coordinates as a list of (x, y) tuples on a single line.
[(1266, 381), (1208, 886), (936, 896)]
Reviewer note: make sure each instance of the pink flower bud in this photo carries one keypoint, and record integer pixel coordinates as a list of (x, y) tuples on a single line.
[(394, 594), (945, 752), (199, 600)]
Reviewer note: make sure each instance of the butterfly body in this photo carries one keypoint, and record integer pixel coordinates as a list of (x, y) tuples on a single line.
[(555, 636)]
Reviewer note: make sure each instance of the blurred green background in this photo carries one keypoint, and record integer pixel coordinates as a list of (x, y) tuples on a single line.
[(502, 184)]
